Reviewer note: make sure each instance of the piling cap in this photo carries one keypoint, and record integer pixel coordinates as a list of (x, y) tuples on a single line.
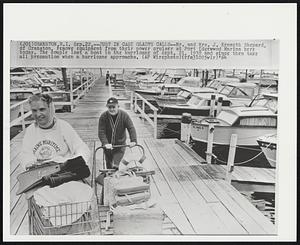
[(112, 101), (186, 118)]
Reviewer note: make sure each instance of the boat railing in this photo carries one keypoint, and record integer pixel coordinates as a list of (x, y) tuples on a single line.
[(135, 97)]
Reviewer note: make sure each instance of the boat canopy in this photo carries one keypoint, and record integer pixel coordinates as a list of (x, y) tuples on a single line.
[(249, 116)]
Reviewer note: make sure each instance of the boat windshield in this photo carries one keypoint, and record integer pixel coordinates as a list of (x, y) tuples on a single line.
[(214, 84), (183, 94), (226, 90), (228, 117), (189, 83), (266, 102), (194, 101), (242, 92), (220, 87)]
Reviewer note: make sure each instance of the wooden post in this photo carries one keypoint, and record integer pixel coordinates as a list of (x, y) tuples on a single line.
[(71, 90), (210, 136), (212, 105), (135, 103), (246, 75), (80, 70), (206, 77), (131, 100), (260, 78), (155, 124), (22, 114), (219, 106), (143, 108), (231, 155), (203, 79), (186, 124)]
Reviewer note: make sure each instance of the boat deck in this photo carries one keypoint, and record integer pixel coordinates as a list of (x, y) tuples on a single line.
[(194, 201)]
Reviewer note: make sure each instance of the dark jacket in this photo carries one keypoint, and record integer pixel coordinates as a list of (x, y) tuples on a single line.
[(115, 133)]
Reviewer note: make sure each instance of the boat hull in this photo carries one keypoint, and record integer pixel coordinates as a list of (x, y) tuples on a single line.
[(269, 149), (178, 111), (242, 154), (247, 147)]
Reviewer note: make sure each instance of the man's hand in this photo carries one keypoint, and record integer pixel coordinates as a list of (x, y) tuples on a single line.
[(108, 146), (132, 144)]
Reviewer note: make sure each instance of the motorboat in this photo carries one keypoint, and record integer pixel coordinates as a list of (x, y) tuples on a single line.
[(247, 122), (218, 83), (134, 83), (240, 94), (268, 100), (162, 89), (268, 144), (188, 86), (190, 82), (182, 97), (197, 105)]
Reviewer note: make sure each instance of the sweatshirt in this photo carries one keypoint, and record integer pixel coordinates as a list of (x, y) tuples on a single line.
[(60, 142), (110, 132)]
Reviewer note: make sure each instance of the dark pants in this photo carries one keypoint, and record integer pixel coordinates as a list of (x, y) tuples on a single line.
[(113, 157)]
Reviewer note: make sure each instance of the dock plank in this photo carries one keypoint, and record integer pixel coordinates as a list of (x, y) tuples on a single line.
[(202, 219), (261, 220), (239, 213)]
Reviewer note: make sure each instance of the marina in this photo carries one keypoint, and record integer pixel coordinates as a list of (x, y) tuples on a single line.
[(196, 197)]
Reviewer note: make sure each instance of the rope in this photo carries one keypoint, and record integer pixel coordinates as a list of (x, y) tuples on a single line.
[(241, 147), (250, 137), (251, 159), (247, 148), (173, 131)]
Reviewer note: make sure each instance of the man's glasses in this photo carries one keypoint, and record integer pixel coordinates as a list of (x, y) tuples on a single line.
[(111, 107)]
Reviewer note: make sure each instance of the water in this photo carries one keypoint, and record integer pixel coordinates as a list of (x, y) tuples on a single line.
[(264, 202)]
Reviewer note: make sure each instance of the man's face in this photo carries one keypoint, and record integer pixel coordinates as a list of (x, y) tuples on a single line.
[(113, 109), (41, 113)]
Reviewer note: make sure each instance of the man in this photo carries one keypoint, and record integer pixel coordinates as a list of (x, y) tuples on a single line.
[(50, 138), (112, 131), (107, 78)]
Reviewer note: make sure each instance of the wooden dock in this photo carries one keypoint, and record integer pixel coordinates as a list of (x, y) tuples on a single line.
[(194, 200)]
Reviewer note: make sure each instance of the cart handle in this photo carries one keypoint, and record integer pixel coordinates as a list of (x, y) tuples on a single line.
[(141, 160)]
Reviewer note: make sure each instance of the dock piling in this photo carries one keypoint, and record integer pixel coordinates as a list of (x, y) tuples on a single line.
[(219, 106), (186, 122), (231, 155), (212, 105), (71, 90), (210, 137)]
